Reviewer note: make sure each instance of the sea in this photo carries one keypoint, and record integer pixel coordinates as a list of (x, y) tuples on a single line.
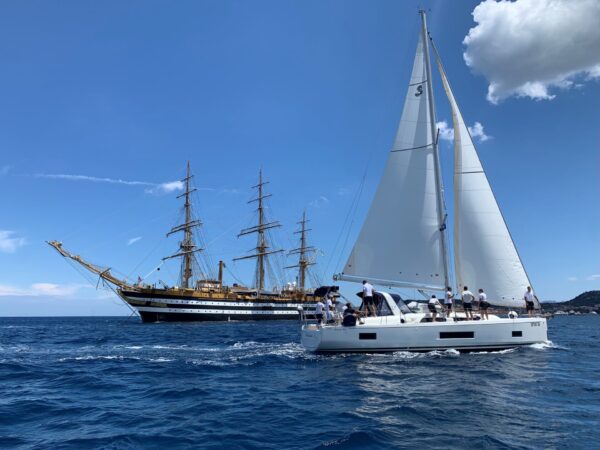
[(115, 383)]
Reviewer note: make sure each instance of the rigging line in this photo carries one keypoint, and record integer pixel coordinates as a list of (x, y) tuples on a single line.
[(354, 199), (353, 217), (160, 242)]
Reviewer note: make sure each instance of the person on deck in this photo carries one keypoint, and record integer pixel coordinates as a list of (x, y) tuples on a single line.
[(368, 298), (483, 305), (467, 300), (329, 310), (448, 296), (319, 311), (529, 298), (432, 305), (351, 316)]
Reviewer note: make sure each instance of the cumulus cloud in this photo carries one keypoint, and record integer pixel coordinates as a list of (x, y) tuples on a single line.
[(529, 48), (133, 240), (9, 243), (594, 277), (41, 289), (447, 133)]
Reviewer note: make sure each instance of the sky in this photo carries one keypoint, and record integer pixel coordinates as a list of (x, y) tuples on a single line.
[(103, 103)]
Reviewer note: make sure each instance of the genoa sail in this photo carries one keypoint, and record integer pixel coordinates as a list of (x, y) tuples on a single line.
[(400, 243), (485, 255)]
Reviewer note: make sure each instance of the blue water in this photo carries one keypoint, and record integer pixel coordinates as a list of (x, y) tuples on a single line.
[(116, 383)]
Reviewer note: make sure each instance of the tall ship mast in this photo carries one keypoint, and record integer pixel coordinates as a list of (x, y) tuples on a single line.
[(303, 251), (187, 246), (197, 295), (262, 245)]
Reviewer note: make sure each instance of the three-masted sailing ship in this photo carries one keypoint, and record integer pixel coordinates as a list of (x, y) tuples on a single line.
[(200, 297)]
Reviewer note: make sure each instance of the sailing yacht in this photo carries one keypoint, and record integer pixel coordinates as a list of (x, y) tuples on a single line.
[(403, 241)]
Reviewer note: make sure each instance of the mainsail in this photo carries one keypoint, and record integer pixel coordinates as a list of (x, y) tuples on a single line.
[(484, 252), (400, 243)]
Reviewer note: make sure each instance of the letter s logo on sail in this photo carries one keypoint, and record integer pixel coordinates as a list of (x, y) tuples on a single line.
[(419, 90)]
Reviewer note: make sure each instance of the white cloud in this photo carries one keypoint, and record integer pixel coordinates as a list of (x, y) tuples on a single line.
[(343, 191), (152, 188), (528, 48), (572, 279), (9, 243), (477, 131), (133, 240), (446, 132), (41, 289), (593, 277), (321, 201)]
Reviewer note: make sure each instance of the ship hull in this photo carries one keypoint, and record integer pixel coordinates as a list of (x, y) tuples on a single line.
[(168, 308)]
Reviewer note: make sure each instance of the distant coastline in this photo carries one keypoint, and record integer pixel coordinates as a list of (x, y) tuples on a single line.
[(584, 304)]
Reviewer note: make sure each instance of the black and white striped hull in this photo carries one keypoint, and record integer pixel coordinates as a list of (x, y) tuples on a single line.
[(169, 309)]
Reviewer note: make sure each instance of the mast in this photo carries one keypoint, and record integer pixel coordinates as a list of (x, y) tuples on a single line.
[(302, 251), (262, 245), (187, 246), (441, 207)]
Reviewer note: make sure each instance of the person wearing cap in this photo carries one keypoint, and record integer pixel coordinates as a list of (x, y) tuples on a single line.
[(432, 305)]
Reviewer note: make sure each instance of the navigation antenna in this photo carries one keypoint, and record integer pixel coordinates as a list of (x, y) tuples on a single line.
[(302, 251), (262, 244), (187, 246)]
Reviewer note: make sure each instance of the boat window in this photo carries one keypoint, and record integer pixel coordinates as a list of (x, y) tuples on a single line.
[(401, 305), (367, 336), (456, 334), (383, 309), (517, 334)]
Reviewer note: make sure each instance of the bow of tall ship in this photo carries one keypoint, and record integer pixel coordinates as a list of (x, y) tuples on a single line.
[(198, 296)]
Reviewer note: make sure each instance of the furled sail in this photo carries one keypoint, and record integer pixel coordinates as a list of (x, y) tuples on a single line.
[(484, 252), (400, 241)]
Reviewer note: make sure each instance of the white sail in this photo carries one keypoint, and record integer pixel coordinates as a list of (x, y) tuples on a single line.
[(484, 252), (400, 241)]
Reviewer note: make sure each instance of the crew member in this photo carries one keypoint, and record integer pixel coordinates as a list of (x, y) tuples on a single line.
[(368, 298), (432, 305), (483, 305), (467, 300), (529, 298)]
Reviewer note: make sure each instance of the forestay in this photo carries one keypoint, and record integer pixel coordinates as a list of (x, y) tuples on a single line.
[(400, 242), (484, 253)]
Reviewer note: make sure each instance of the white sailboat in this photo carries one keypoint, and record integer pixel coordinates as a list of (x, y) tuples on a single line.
[(403, 241)]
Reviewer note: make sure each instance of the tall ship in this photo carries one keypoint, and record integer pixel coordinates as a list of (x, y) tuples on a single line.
[(201, 297)]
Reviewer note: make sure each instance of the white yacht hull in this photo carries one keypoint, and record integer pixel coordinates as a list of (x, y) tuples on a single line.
[(389, 335)]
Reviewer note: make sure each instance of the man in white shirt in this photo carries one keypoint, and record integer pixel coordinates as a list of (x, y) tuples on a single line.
[(329, 310), (483, 305), (432, 305), (467, 300), (319, 311), (529, 298), (448, 296), (368, 299)]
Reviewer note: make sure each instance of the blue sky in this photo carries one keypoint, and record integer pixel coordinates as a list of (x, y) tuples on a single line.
[(310, 91)]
